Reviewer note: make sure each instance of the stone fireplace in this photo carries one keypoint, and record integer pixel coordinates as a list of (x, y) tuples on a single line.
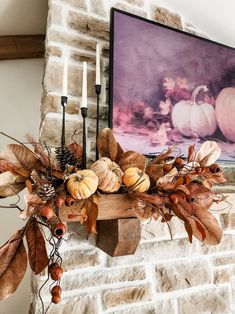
[(164, 276)]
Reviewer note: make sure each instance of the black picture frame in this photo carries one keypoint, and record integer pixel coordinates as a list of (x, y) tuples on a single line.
[(111, 55)]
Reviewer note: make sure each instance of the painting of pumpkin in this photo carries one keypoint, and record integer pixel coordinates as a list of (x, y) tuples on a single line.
[(225, 112), (193, 118)]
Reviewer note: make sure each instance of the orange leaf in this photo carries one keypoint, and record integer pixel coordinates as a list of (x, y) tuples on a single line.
[(132, 159), (107, 144), (92, 213), (13, 264), (201, 230), (189, 230), (37, 253), (191, 153)]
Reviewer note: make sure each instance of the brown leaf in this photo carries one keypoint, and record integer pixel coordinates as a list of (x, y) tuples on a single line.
[(201, 229), (200, 195), (213, 232), (92, 213), (191, 153), (160, 158), (144, 212), (154, 171), (208, 153), (189, 230), (19, 156), (132, 159), (37, 253), (107, 144), (10, 184), (76, 149), (32, 201), (13, 264), (167, 181), (119, 153)]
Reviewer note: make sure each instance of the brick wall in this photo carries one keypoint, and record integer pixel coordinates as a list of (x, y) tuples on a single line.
[(164, 276)]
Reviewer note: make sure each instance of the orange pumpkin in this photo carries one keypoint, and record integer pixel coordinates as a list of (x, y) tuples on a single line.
[(136, 180), (82, 184), (225, 112)]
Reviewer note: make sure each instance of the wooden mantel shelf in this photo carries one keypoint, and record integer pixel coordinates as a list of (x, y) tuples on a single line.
[(22, 47)]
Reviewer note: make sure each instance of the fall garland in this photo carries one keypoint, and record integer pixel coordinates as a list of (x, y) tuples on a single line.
[(162, 187)]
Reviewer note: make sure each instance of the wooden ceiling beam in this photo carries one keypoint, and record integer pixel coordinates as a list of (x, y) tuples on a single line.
[(22, 47)]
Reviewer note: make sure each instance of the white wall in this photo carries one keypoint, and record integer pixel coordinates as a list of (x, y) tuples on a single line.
[(20, 97)]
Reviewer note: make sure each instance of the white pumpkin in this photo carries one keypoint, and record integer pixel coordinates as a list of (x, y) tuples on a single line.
[(192, 118), (225, 112)]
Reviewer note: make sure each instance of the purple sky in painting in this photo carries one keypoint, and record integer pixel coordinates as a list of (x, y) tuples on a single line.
[(145, 53)]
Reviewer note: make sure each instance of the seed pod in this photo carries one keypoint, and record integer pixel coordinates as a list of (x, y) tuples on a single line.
[(56, 290), (69, 200), (173, 198), (46, 212), (167, 167), (56, 273), (59, 230), (179, 161), (55, 298), (214, 168)]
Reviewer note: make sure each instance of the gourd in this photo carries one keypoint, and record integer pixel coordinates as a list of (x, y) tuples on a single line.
[(109, 174), (82, 184), (225, 112), (192, 118), (136, 180)]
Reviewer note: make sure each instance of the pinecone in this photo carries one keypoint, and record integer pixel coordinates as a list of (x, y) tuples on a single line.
[(64, 157), (46, 192)]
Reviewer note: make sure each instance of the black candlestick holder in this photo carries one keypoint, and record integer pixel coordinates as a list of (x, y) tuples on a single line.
[(84, 116), (64, 100), (97, 91)]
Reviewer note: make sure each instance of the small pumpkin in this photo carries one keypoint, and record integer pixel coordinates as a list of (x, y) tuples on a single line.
[(82, 184), (225, 112), (109, 174), (136, 180), (193, 118)]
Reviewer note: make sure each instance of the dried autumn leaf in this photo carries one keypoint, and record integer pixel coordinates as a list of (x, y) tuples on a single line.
[(191, 153), (189, 231), (37, 253), (212, 231), (154, 171), (92, 213), (144, 212), (119, 153), (20, 156), (132, 159), (160, 158), (107, 144), (10, 184), (32, 201), (167, 181), (208, 153), (76, 149), (13, 264), (200, 194)]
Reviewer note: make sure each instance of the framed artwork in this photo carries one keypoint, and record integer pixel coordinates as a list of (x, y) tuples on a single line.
[(169, 87)]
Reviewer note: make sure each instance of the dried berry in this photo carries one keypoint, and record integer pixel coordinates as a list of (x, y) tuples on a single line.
[(56, 290), (46, 212), (55, 298), (59, 230), (56, 273), (214, 168), (167, 168), (179, 161)]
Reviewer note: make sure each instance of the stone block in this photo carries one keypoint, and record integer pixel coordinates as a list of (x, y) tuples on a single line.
[(83, 56), (167, 249), (227, 244), (223, 260), (103, 276), (227, 221), (127, 295), (71, 39), (136, 2), (97, 7), (128, 8), (166, 17), (54, 14), (53, 77), (182, 274), (50, 131), (77, 259), (52, 51), (215, 300), (221, 276), (88, 25), (79, 4), (165, 307)]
